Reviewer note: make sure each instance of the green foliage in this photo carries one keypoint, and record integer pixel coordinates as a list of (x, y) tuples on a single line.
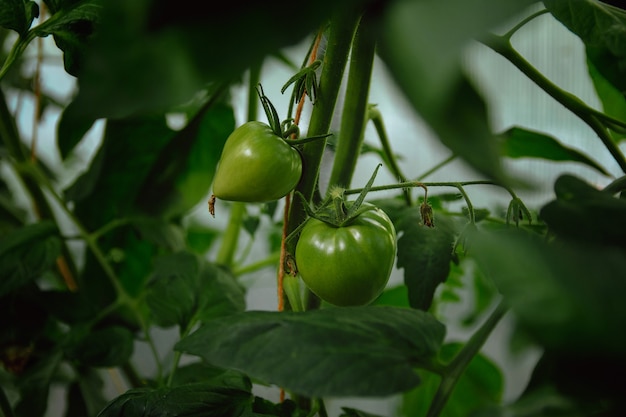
[(375, 348), (98, 264)]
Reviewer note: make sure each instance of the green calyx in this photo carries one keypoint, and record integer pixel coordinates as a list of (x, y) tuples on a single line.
[(335, 210)]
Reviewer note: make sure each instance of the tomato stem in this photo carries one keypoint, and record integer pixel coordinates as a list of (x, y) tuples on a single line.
[(342, 27), (390, 159), (353, 119), (455, 369), (596, 120)]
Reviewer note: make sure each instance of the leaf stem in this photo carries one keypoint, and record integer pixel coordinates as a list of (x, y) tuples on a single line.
[(437, 167), (255, 266), (377, 119), (502, 46), (518, 26), (455, 369)]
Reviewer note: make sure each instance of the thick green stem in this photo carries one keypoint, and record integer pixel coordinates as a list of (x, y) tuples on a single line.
[(502, 46), (455, 369), (230, 237), (354, 114), (342, 28)]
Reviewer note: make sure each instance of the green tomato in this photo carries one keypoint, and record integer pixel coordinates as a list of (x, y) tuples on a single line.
[(348, 265), (256, 166)]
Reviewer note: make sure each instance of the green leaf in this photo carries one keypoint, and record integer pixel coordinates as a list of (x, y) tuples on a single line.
[(567, 295), (18, 15), (185, 288), (27, 253), (481, 385), (85, 396), (161, 233), (422, 43), (200, 238), (541, 403), (613, 101), (149, 56), (523, 143), (197, 399), (183, 173), (353, 412), (104, 347), (602, 27), (584, 380), (376, 348), (425, 254), (72, 28), (34, 384), (583, 212), (71, 129), (107, 190)]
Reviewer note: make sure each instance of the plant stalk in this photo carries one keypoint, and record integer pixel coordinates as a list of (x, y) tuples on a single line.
[(502, 46), (455, 369), (342, 28), (355, 106)]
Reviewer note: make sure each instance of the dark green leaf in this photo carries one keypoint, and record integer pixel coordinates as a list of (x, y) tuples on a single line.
[(193, 400), (203, 372), (27, 253), (583, 212), (85, 395), (481, 385), (148, 56), (71, 129), (183, 172), (424, 57), (184, 288), (425, 254), (161, 233), (72, 28), (613, 101), (18, 15), (106, 347), (602, 28), (542, 403), (34, 385), (567, 295), (583, 379), (375, 347), (353, 412), (107, 190), (523, 143)]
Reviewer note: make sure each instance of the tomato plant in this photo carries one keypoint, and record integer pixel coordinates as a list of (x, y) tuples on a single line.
[(120, 295), (256, 165)]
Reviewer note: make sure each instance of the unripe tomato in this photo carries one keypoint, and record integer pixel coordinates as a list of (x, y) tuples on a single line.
[(347, 265), (256, 165)]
